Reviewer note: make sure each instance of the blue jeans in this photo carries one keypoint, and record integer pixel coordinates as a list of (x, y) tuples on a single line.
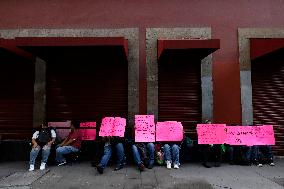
[(171, 153), (150, 151), (261, 152), (34, 153), (107, 154), (60, 151)]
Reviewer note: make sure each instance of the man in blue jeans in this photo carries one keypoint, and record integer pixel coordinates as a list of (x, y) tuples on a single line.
[(143, 154), (262, 154), (42, 139), (110, 142), (71, 144), (171, 154)]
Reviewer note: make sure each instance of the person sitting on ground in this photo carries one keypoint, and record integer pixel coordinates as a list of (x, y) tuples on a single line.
[(211, 153), (143, 154), (171, 155), (42, 138), (262, 154), (109, 143), (70, 145)]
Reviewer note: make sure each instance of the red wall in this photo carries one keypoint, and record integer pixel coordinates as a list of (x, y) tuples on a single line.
[(224, 16)]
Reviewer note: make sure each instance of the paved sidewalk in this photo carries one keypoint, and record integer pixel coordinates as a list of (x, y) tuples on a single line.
[(14, 175)]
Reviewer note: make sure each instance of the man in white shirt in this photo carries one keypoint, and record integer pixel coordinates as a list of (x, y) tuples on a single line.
[(42, 138)]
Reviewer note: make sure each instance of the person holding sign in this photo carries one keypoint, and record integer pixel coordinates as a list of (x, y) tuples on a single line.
[(42, 139), (143, 154), (109, 144), (70, 145), (170, 133)]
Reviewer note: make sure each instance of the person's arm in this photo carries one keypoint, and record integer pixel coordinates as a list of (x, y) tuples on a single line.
[(53, 135), (64, 141), (34, 143)]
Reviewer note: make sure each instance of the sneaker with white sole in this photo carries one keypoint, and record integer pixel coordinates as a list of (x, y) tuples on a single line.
[(259, 165), (32, 168), (62, 163), (271, 164), (176, 166), (42, 166), (169, 165)]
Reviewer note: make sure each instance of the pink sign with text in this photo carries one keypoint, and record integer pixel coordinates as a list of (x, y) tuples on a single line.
[(169, 131), (113, 126), (211, 133), (144, 128)]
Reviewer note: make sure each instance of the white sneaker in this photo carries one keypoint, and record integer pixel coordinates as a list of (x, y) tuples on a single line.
[(259, 165), (176, 166), (272, 164), (169, 165), (42, 166), (32, 168)]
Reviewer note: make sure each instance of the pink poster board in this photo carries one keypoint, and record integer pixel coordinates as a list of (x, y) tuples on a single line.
[(144, 128), (106, 126), (119, 127), (113, 126), (169, 131), (211, 133), (264, 135), (90, 132), (240, 135)]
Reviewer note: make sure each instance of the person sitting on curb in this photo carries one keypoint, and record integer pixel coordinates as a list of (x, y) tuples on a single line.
[(171, 155), (70, 145), (42, 139), (143, 154), (109, 142), (262, 154)]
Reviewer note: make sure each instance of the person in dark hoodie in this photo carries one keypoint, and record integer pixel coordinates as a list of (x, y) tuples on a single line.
[(42, 139)]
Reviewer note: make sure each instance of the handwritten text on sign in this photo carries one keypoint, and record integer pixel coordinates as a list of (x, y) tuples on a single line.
[(113, 126), (211, 133), (169, 131), (235, 135), (144, 128)]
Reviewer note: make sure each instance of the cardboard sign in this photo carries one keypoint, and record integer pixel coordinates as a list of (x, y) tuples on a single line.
[(169, 131), (144, 128), (113, 126), (211, 133), (90, 132), (240, 135), (264, 135)]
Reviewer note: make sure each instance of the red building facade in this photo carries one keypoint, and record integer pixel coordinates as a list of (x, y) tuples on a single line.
[(226, 90)]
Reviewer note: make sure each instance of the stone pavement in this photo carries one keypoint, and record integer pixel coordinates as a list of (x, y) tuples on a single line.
[(14, 175)]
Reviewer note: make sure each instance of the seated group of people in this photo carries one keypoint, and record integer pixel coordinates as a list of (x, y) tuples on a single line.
[(144, 154), (45, 137)]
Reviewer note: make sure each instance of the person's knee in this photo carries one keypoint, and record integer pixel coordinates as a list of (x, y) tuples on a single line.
[(59, 149), (167, 146), (150, 146), (175, 147)]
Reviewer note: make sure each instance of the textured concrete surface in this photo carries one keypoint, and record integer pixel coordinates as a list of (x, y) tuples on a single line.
[(190, 175)]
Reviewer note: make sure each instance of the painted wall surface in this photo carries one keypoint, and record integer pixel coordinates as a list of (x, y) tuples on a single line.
[(223, 16)]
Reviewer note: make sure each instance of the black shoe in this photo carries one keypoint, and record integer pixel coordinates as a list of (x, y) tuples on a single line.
[(141, 167), (100, 169), (150, 166), (118, 168), (206, 165), (217, 164)]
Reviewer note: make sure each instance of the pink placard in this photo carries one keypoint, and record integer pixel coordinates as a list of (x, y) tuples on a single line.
[(264, 135), (119, 127), (240, 135), (90, 133), (211, 133), (113, 126), (106, 128), (144, 128), (169, 131)]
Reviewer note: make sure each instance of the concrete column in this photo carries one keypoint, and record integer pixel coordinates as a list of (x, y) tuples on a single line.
[(39, 92)]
